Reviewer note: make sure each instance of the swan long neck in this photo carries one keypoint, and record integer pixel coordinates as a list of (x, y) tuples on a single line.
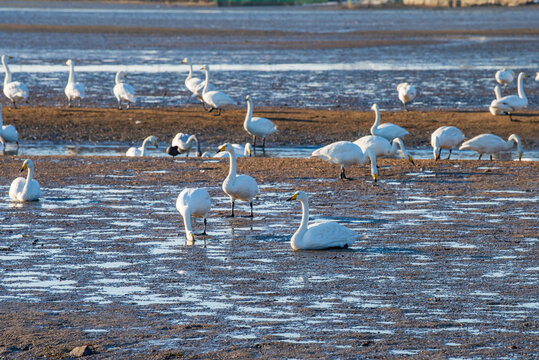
[(197, 142), (1, 119), (297, 238), (190, 75), (232, 170), (144, 144), (207, 81), (187, 222), (498, 92), (249, 114), (29, 178), (71, 79), (377, 120), (7, 79), (370, 154), (521, 93), (397, 143), (511, 142), (118, 78)]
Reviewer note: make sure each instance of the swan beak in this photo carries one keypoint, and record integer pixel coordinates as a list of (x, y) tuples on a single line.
[(247, 98), (9, 57), (221, 148), (203, 67), (436, 157), (249, 152), (183, 61), (191, 237), (520, 156), (155, 143), (526, 75), (24, 166), (374, 176), (411, 159), (293, 197)]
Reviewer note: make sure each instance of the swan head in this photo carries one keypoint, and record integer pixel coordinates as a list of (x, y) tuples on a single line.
[(6, 57), (190, 237), (153, 140), (27, 164), (185, 61), (247, 98), (226, 147), (69, 62), (299, 195), (516, 139), (411, 159), (205, 67), (402, 85), (248, 150), (375, 107)]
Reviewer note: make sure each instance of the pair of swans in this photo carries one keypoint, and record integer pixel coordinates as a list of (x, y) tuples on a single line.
[(492, 144), (445, 137), (257, 126), (510, 104), (194, 84), (193, 203), (238, 187), (214, 98), (13, 90), (74, 90), (28, 189), (407, 93), (123, 91), (141, 151), (8, 133)]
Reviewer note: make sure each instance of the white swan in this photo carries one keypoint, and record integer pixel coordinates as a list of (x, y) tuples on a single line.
[(445, 137), (494, 110), (185, 142), (74, 90), (28, 189), (381, 147), (321, 235), (504, 76), (238, 187), (387, 130), (241, 151), (512, 103), (257, 126), (123, 91), (8, 133), (141, 151), (492, 144), (194, 84), (537, 76), (193, 203), (407, 93), (346, 153), (14, 90), (215, 99)]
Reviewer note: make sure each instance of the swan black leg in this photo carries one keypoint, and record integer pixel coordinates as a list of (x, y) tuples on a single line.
[(263, 144), (490, 157), (251, 203), (218, 111), (450, 150), (119, 105), (510, 117), (204, 232), (254, 141), (480, 156), (343, 175), (232, 213), (14, 105)]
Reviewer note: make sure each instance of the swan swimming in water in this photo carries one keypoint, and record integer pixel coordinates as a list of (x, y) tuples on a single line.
[(238, 187), (185, 142), (388, 130), (123, 91), (74, 90), (194, 84), (321, 235), (14, 90), (504, 76), (257, 126), (193, 203), (407, 93), (141, 151), (512, 103), (28, 189), (445, 137), (492, 144), (8, 133), (215, 99), (494, 110), (381, 147), (346, 153)]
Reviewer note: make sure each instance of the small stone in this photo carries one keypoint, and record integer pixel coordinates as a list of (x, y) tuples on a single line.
[(80, 351)]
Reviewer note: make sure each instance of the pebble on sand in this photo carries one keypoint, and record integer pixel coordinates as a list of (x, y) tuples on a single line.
[(80, 351)]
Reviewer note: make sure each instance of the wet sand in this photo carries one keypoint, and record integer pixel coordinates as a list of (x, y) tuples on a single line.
[(296, 126)]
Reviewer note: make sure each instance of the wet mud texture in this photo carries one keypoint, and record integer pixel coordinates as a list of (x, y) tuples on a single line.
[(296, 126), (446, 265)]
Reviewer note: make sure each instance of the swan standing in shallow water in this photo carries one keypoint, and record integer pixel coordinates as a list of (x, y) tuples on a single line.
[(185, 142), (73, 90), (194, 84), (504, 76), (123, 91), (388, 130), (512, 103), (494, 110), (241, 151), (381, 147), (8, 133), (141, 151), (445, 137), (346, 153), (215, 99), (193, 203), (238, 187), (257, 126), (28, 189), (14, 90), (322, 235), (407, 93), (492, 144)]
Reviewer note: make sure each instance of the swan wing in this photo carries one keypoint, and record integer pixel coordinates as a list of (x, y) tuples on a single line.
[(16, 188), (509, 103), (380, 146), (75, 91), (328, 235), (33, 192), (245, 187), (261, 126), (485, 143), (218, 99), (125, 91), (193, 84), (340, 152), (9, 133), (390, 131), (132, 151), (16, 89)]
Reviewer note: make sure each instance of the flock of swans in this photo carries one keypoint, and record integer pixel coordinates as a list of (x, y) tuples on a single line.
[(385, 141)]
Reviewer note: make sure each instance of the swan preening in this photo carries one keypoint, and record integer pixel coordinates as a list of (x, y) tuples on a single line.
[(504, 76), (381, 147), (184, 143), (321, 235), (215, 99), (407, 93), (445, 137), (387, 130), (241, 151), (28, 189), (512, 103), (257, 126), (194, 84), (492, 108), (14, 90), (73, 90), (346, 153), (141, 151), (193, 203), (492, 144), (238, 187), (8, 133), (123, 91)]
